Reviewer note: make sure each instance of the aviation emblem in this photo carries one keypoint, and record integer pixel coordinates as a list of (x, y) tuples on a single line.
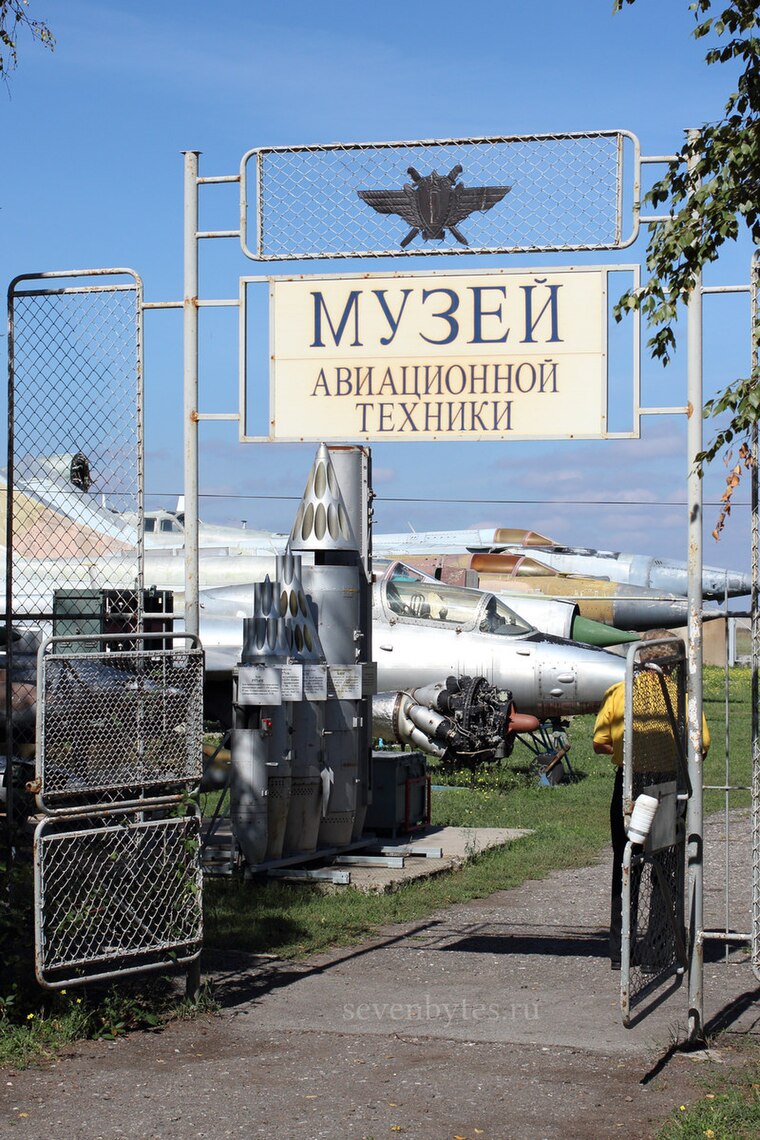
[(434, 203)]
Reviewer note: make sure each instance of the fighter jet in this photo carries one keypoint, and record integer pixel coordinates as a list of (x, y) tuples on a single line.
[(64, 484), (424, 631), (632, 569), (56, 509), (625, 578), (521, 581)]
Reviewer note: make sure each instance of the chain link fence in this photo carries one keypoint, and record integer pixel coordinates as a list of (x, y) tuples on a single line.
[(111, 713), (487, 195), (117, 858), (755, 632), (75, 438), (118, 726), (117, 894)]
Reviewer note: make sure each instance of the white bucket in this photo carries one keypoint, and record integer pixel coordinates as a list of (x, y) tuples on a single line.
[(641, 818)]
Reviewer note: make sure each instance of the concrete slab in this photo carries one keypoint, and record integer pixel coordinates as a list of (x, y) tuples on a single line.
[(458, 844)]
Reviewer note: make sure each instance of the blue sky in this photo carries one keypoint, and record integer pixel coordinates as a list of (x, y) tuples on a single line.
[(92, 176)]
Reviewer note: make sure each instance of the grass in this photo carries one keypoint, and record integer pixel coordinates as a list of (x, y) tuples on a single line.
[(35, 1022), (737, 703), (569, 825), (731, 1114)]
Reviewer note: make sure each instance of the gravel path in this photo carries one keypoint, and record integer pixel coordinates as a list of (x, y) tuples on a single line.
[(496, 1019)]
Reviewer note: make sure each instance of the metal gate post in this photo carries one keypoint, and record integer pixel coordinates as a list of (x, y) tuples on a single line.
[(8, 603), (694, 822), (190, 347), (755, 628), (190, 342)]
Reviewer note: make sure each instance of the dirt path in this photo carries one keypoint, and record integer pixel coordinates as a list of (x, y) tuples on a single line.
[(495, 1019)]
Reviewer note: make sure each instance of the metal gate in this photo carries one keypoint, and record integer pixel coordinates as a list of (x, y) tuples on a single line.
[(119, 750), (304, 205), (117, 733), (655, 790), (118, 726)]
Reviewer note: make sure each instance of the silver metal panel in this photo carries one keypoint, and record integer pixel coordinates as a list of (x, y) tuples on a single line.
[(564, 194)]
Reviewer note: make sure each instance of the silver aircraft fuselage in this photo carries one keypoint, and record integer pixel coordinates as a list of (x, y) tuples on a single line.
[(424, 632), (669, 575)]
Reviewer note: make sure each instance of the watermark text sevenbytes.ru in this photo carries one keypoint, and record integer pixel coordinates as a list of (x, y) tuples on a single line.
[(429, 1010)]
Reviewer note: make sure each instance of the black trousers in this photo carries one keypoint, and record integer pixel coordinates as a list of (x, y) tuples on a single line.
[(618, 836)]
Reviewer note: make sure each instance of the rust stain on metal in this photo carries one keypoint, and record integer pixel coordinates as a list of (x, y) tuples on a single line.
[(34, 787), (194, 417), (689, 409)]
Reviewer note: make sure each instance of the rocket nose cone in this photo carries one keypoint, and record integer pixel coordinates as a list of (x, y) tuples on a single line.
[(717, 584), (596, 633)]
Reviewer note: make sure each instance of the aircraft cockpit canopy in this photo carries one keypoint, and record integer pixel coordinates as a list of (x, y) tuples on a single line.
[(164, 522), (409, 594)]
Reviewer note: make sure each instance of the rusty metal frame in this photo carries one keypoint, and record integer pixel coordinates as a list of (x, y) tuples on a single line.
[(140, 684), (92, 904)]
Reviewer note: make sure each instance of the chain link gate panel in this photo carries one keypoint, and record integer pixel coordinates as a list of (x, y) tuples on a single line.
[(655, 765), (755, 628), (117, 893), (75, 437), (74, 477), (118, 726), (442, 196)]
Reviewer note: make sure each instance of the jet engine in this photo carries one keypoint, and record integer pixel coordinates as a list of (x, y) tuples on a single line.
[(463, 722)]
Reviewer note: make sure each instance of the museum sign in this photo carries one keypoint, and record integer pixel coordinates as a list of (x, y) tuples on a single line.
[(512, 354)]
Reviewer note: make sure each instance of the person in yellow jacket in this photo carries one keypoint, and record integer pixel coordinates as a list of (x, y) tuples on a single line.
[(655, 755)]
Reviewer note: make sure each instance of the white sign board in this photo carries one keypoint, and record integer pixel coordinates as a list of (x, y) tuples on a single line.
[(344, 682), (493, 355), (292, 682), (259, 685), (315, 682)]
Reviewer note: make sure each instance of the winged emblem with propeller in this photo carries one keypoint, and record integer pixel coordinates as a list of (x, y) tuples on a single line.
[(434, 203)]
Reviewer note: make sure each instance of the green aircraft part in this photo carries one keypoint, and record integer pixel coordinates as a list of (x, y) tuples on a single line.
[(596, 633)]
